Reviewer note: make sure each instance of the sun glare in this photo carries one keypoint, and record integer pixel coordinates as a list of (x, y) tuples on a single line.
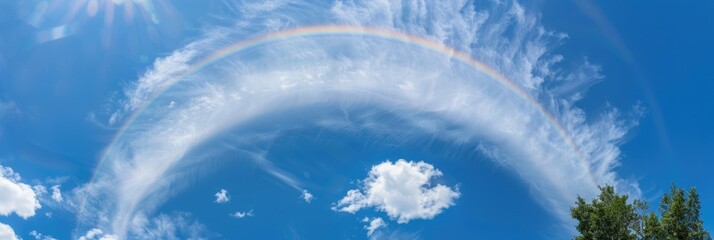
[(58, 19)]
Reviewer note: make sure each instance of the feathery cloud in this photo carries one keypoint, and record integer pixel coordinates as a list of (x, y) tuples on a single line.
[(178, 225), (535, 130), (374, 224), (40, 236)]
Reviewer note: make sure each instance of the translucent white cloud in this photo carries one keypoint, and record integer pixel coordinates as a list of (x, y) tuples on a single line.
[(401, 189), (91, 234), (6, 232), (374, 224), (154, 80), (97, 234), (222, 196), (40, 236), (109, 237), (39, 190), (16, 197), (307, 196), (343, 82), (239, 214), (178, 225), (56, 193)]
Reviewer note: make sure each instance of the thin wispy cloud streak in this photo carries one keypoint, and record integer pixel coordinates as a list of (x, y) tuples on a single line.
[(338, 82)]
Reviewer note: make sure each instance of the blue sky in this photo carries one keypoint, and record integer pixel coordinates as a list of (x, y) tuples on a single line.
[(109, 130)]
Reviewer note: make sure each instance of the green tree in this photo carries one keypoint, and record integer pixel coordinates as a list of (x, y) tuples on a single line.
[(610, 216), (680, 215), (652, 227)]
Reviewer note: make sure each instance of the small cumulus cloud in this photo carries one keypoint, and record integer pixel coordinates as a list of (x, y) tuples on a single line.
[(51, 195), (56, 193), (402, 190), (7, 233), (374, 224), (307, 196), (97, 234), (222, 196), (40, 236), (240, 215), (16, 197)]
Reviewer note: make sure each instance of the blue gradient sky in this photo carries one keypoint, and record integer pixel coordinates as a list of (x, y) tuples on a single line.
[(58, 90)]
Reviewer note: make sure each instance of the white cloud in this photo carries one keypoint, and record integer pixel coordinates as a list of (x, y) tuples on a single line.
[(307, 196), (56, 193), (9, 174), (40, 236), (16, 197), (419, 94), (175, 226), (222, 196), (39, 190), (395, 234), (109, 237), (156, 80), (401, 189), (91, 234), (6, 232), (98, 234), (178, 225), (240, 215), (374, 224)]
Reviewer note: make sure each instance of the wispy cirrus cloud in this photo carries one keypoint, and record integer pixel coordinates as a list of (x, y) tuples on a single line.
[(179, 225), (40, 236), (374, 225), (341, 85)]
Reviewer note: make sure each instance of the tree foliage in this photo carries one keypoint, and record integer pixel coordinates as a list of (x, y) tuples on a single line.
[(612, 216)]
